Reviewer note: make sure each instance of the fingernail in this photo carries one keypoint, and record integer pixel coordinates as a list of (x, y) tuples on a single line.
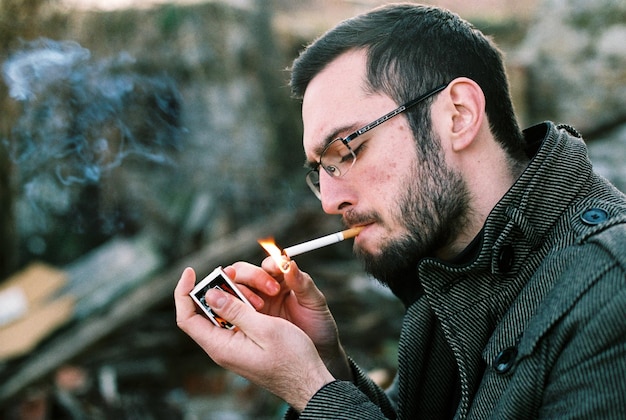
[(215, 299), (272, 286)]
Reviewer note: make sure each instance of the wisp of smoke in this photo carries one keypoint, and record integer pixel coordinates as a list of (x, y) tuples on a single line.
[(80, 118)]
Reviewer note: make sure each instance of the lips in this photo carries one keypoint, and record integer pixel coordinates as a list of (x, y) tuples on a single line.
[(365, 227), (364, 220)]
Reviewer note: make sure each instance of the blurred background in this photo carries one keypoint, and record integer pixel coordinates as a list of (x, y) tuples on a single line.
[(141, 137)]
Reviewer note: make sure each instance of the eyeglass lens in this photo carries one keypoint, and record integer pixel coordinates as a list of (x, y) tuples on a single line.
[(336, 159)]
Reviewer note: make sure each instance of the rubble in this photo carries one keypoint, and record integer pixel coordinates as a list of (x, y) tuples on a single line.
[(126, 356)]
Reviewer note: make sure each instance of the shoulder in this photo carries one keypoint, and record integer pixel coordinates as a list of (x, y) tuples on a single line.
[(611, 241), (600, 229), (586, 277)]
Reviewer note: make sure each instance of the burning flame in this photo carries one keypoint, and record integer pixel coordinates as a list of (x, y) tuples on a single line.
[(274, 251)]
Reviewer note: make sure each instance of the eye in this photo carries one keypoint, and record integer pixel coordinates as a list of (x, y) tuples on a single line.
[(332, 169)]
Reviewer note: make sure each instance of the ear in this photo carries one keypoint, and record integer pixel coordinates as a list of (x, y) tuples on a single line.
[(468, 112)]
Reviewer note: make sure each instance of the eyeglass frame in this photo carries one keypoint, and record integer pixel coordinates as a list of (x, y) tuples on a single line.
[(345, 140)]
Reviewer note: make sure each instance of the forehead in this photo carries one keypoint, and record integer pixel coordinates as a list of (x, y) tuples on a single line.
[(344, 74), (337, 102)]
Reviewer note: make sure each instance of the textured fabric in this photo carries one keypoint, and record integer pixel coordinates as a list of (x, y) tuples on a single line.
[(534, 326)]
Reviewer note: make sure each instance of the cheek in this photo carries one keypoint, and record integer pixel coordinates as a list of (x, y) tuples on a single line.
[(385, 186), (388, 165), (380, 181), (392, 172)]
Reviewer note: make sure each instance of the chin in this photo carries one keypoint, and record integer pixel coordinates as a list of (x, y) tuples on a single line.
[(369, 252), (366, 247)]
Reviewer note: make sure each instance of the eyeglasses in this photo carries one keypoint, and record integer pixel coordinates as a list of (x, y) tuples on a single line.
[(338, 158)]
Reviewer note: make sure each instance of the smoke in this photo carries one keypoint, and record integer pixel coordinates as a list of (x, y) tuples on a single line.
[(81, 118)]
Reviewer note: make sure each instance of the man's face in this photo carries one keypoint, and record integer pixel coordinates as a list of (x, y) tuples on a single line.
[(406, 204)]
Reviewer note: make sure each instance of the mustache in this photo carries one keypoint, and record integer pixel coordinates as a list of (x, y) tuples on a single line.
[(352, 218)]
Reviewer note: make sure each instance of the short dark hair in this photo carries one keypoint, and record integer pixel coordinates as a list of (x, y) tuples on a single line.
[(411, 49)]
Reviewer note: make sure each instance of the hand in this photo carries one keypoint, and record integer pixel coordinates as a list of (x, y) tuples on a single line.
[(293, 296), (269, 351)]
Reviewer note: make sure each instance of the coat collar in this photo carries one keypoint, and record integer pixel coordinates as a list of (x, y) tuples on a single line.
[(470, 299), (521, 220)]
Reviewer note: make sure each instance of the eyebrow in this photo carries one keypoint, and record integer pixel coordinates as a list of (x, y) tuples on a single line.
[(313, 164)]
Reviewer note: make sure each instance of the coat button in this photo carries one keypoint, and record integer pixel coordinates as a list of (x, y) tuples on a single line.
[(505, 360), (594, 216), (505, 258)]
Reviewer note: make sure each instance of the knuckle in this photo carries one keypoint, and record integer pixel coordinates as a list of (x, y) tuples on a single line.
[(232, 309)]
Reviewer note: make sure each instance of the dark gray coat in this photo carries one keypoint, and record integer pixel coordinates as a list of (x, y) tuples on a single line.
[(533, 325)]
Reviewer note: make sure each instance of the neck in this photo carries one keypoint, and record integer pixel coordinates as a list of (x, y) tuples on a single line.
[(489, 173)]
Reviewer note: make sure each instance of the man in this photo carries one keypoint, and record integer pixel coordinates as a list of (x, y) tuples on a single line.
[(507, 250)]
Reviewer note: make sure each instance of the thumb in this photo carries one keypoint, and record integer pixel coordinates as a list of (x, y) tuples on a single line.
[(226, 308)]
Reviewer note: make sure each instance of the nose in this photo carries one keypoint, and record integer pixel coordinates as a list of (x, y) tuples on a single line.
[(337, 194)]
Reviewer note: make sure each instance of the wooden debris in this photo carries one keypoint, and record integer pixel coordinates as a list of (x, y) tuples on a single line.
[(135, 303), (32, 312), (105, 274)]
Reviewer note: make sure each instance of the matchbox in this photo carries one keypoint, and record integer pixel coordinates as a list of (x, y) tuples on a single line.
[(216, 280)]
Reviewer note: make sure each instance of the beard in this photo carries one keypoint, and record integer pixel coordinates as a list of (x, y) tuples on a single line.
[(433, 209)]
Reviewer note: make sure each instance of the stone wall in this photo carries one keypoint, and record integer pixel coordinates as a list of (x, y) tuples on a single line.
[(574, 56)]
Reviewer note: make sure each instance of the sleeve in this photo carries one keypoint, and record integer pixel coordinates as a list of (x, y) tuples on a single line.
[(358, 400)]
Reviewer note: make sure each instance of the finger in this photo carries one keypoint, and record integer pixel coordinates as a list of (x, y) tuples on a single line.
[(185, 307), (255, 300), (236, 312), (270, 265), (254, 277), (303, 286), (250, 280), (249, 293), (188, 317)]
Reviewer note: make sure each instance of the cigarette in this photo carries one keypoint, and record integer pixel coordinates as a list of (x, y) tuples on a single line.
[(333, 238)]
